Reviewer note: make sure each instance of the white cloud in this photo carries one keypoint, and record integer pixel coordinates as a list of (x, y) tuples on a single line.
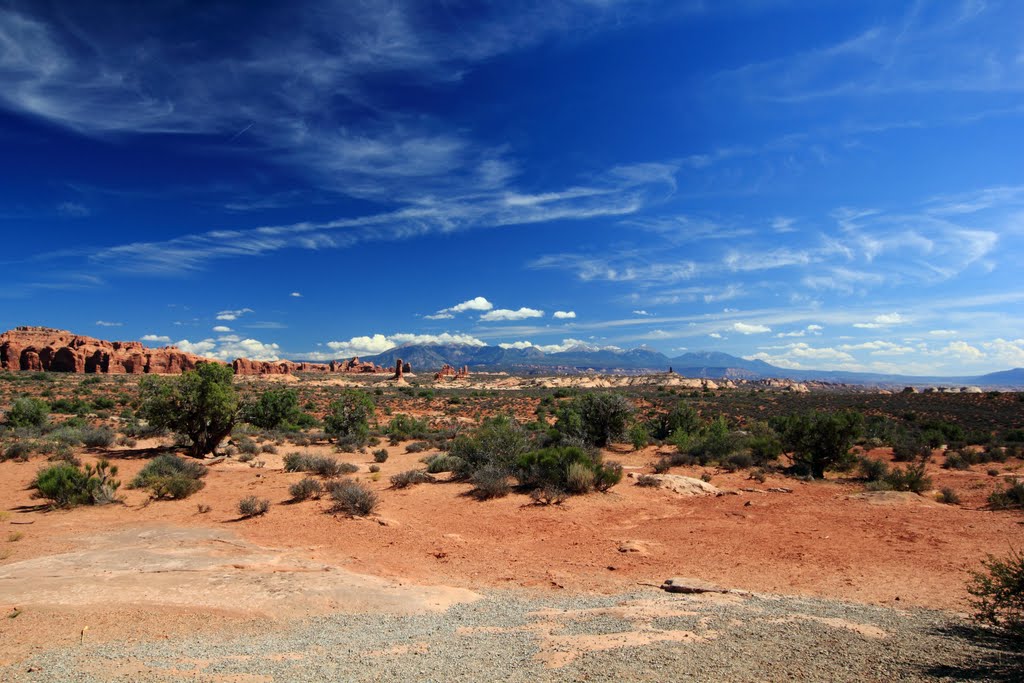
[(641, 312), (961, 350), (231, 347), (507, 314), (563, 315), (155, 338), (222, 328), (814, 328), (378, 343), (1009, 353), (477, 303), (797, 333), (107, 323), (747, 328), (297, 295), (516, 345), (793, 356), (233, 315), (569, 344), (878, 348), (942, 333), (73, 210), (715, 335), (883, 320)]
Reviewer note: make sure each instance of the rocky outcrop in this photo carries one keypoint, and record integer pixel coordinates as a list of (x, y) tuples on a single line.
[(48, 349), (399, 368), (448, 372)]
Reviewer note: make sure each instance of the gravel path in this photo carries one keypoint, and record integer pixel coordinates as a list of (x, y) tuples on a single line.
[(521, 636)]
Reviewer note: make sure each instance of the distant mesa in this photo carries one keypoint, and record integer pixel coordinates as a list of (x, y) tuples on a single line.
[(47, 349)]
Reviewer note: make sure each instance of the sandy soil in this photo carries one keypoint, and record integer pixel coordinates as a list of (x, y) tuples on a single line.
[(150, 569)]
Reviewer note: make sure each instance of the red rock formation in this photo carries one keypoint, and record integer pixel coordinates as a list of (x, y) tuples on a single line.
[(399, 367), (448, 371), (44, 348)]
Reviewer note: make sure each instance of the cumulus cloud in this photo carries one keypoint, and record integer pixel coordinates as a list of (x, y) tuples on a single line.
[(477, 303), (793, 356), (814, 328), (297, 295), (961, 350), (507, 314), (155, 338), (562, 315), (716, 335), (233, 315), (516, 345), (641, 312), (107, 323), (1006, 352), (222, 328), (230, 347), (378, 343), (883, 320), (747, 328)]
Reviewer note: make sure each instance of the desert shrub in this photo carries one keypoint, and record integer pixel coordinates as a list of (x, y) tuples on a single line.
[(268, 448), (818, 440), (548, 495), (949, 496), (19, 450), (98, 437), (409, 478), (497, 443), (764, 448), (579, 478), (682, 419), (276, 409), (374, 469), (352, 498), (251, 506), (550, 466), (648, 480), (66, 485), (305, 488), (1014, 435), (911, 447), (404, 427), (442, 463), (998, 593), (348, 419), (638, 436), (247, 445), (871, 469), (380, 455), (714, 443), (417, 447), (607, 475), (69, 406), (1010, 498), (992, 472), (958, 460), (596, 419), (168, 476), (911, 478), (490, 482), (27, 412), (296, 462), (200, 404), (737, 461)]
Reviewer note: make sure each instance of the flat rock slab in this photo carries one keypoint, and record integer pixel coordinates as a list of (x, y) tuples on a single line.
[(684, 486), (210, 569), (683, 584), (893, 498)]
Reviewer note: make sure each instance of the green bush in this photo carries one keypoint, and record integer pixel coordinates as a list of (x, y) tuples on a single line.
[(305, 488), (819, 441), (251, 506), (27, 412), (19, 450), (638, 436), (497, 443), (348, 419), (66, 485), (949, 496), (912, 478), (683, 419), (442, 463), (714, 443), (595, 419), (275, 409), (69, 406), (490, 482), (872, 470), (998, 593), (98, 437), (380, 455), (911, 447), (200, 404), (353, 498), (171, 477), (404, 427), (409, 478), (1010, 498)]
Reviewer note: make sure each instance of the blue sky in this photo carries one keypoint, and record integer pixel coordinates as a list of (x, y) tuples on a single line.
[(817, 184)]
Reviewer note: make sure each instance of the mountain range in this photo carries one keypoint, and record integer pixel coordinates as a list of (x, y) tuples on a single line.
[(710, 364)]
